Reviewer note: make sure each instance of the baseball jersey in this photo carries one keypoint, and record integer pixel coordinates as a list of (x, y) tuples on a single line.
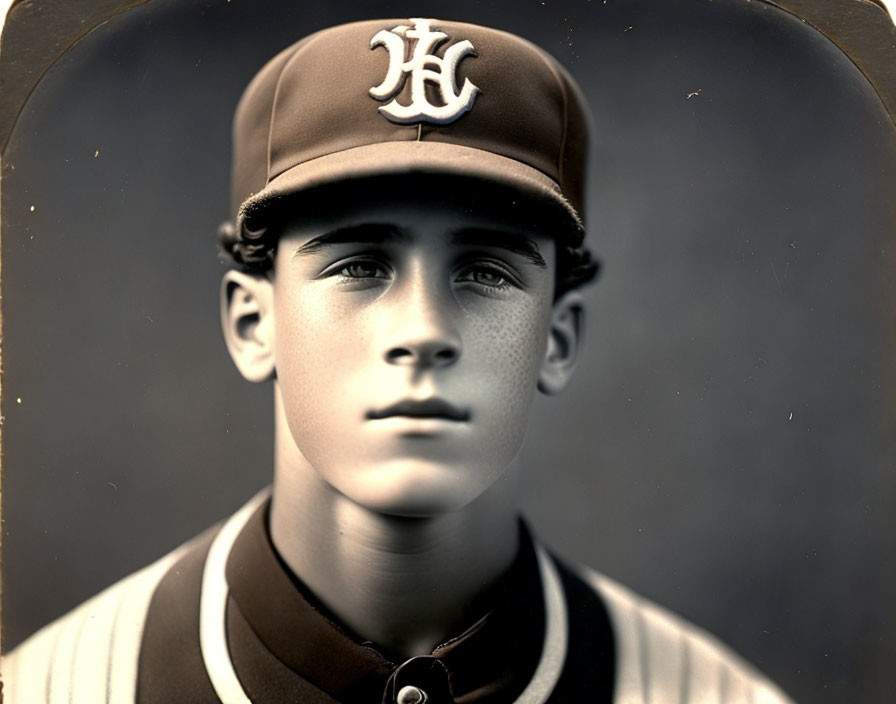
[(222, 619)]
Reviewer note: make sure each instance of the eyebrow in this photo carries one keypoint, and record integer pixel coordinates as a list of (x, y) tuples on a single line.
[(376, 233), (365, 233), (501, 239)]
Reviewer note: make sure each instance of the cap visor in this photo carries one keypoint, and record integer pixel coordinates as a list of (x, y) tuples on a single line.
[(396, 158)]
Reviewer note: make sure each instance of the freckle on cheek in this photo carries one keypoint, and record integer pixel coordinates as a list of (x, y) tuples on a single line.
[(512, 350)]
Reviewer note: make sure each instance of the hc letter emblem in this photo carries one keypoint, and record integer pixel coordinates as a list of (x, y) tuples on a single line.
[(422, 66)]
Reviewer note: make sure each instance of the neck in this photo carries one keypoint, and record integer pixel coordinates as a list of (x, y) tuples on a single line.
[(404, 583)]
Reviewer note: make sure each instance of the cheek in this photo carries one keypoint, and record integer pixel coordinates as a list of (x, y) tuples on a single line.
[(509, 346), (316, 358)]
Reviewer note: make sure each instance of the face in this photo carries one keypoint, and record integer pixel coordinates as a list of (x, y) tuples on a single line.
[(408, 342)]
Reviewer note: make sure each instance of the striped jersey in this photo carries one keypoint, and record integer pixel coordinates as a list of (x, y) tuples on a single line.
[(222, 619)]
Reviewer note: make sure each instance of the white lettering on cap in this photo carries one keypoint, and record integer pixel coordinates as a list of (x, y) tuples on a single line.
[(423, 66)]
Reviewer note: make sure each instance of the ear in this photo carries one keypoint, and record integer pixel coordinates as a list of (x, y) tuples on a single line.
[(247, 321), (565, 338)]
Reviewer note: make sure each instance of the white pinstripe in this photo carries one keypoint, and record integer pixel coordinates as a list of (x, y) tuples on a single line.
[(662, 659), (73, 661)]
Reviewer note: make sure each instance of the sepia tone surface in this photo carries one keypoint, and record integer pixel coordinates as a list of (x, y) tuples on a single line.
[(728, 448)]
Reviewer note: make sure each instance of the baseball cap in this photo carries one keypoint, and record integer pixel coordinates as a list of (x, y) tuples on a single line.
[(410, 96)]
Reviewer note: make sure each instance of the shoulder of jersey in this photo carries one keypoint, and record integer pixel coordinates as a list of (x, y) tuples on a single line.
[(91, 653), (662, 658)]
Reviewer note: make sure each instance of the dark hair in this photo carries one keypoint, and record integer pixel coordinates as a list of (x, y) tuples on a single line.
[(253, 248)]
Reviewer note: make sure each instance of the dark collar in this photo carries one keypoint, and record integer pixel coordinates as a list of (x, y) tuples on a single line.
[(489, 662)]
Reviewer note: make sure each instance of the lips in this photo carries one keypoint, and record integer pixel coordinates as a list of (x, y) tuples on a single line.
[(429, 408)]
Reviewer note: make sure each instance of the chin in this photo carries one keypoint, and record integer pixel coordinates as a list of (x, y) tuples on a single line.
[(415, 489)]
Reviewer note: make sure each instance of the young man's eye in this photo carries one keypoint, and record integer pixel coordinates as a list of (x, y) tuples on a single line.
[(488, 276), (363, 270)]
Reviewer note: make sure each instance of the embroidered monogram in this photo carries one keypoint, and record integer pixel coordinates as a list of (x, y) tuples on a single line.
[(422, 66)]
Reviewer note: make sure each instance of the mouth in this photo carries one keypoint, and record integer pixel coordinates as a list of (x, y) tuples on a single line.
[(429, 408)]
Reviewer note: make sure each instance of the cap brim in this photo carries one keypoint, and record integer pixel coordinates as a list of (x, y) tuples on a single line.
[(396, 158)]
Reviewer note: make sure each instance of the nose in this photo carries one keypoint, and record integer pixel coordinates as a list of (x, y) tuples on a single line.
[(424, 333), (422, 354)]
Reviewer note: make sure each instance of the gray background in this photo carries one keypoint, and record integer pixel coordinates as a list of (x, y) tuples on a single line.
[(728, 449)]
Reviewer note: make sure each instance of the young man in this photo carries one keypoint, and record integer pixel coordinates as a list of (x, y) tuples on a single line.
[(409, 240)]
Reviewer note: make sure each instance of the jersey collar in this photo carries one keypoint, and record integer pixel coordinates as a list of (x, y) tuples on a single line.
[(513, 653)]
